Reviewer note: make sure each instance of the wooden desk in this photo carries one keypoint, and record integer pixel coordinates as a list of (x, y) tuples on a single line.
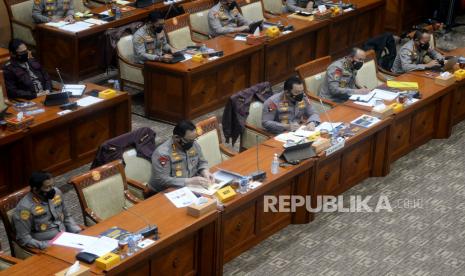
[(187, 245), (308, 41), (401, 15), (355, 27), (243, 220), (186, 90), (60, 143), (81, 54), (37, 265), (4, 56)]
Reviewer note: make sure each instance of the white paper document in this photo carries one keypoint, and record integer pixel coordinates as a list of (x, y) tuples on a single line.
[(95, 21), (76, 89), (181, 197), (327, 126), (362, 97), (365, 121), (89, 100), (101, 246), (56, 24), (74, 240), (288, 136), (122, 2), (385, 95), (76, 27)]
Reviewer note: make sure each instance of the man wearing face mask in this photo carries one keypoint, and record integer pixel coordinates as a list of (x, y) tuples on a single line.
[(416, 54), (41, 214), (44, 11), (302, 5), (24, 76), (150, 42), (179, 161), (289, 109), (340, 80), (225, 18)]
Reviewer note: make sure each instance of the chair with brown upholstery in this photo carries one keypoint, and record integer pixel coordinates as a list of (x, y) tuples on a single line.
[(213, 149), (129, 71), (198, 15), (369, 75), (7, 208), (178, 31), (103, 192), (313, 74), (23, 25)]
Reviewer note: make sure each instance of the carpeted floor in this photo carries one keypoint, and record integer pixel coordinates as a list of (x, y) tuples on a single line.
[(420, 241)]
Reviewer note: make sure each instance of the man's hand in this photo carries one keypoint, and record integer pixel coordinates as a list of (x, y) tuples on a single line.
[(294, 126), (43, 93), (432, 64), (309, 6), (310, 126), (69, 19), (198, 181), (167, 57), (242, 29), (206, 174), (363, 91)]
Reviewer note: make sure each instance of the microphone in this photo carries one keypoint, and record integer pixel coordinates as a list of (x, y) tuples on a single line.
[(147, 231), (259, 174), (67, 105)]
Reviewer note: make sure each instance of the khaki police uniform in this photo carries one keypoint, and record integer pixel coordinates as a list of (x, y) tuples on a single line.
[(171, 165), (36, 222), (278, 111), (410, 58), (340, 81), (149, 46), (300, 5), (222, 21), (44, 11)]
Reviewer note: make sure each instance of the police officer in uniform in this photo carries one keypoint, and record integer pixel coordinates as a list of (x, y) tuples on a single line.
[(416, 54), (150, 41), (340, 79), (179, 161), (289, 109), (24, 76), (44, 11), (225, 18), (302, 5), (42, 214)]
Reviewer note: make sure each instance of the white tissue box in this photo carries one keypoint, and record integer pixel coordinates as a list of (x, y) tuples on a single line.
[(83, 271)]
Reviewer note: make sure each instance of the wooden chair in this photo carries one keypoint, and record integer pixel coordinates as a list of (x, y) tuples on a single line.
[(178, 30), (3, 96), (198, 15), (369, 75), (211, 142), (274, 6), (313, 74), (253, 127), (22, 24), (7, 208), (252, 10), (7, 261), (5, 24), (129, 71), (103, 192)]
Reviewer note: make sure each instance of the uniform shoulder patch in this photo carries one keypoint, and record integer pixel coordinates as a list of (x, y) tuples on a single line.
[(24, 214), (272, 107), (338, 73), (163, 160)]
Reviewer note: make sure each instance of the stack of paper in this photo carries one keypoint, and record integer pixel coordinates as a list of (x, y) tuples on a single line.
[(56, 24), (76, 27), (95, 21), (362, 97), (98, 246), (385, 95), (181, 197), (89, 100)]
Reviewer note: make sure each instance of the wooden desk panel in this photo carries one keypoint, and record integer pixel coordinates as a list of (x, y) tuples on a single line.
[(187, 245), (401, 15), (189, 89), (37, 265), (60, 143)]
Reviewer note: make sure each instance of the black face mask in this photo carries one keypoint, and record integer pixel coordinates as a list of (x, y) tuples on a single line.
[(186, 145), (158, 29), (232, 6), (424, 46), (49, 194), (357, 64), (22, 57), (296, 98)]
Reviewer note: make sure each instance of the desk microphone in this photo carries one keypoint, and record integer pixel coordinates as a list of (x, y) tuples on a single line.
[(67, 105), (147, 231), (259, 174)]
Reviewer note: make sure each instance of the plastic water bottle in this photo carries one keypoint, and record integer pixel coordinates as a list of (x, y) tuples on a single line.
[(117, 13), (116, 85), (243, 185), (131, 245), (275, 164)]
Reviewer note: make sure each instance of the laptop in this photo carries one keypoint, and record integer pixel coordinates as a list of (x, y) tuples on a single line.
[(298, 152), (57, 98)]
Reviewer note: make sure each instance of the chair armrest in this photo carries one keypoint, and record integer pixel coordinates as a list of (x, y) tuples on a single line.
[(259, 130), (325, 101), (92, 215), (23, 24), (227, 151), (201, 33), (269, 15), (381, 77), (83, 227), (380, 69), (128, 62), (131, 198), (10, 259)]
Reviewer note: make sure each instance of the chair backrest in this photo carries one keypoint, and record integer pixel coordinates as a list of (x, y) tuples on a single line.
[(209, 140), (79, 6), (178, 30), (252, 10), (125, 48), (198, 14), (5, 25), (273, 6), (255, 114), (137, 168), (128, 69), (7, 208), (3, 95), (367, 75), (102, 189), (22, 11), (313, 74)]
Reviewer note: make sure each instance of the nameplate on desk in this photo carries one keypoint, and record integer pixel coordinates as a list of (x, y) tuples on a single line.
[(225, 194), (339, 145)]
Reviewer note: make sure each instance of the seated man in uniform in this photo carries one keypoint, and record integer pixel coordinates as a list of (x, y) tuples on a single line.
[(225, 18), (289, 109), (416, 54), (42, 214), (150, 41), (340, 80), (24, 76), (302, 5), (44, 11), (179, 161)]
